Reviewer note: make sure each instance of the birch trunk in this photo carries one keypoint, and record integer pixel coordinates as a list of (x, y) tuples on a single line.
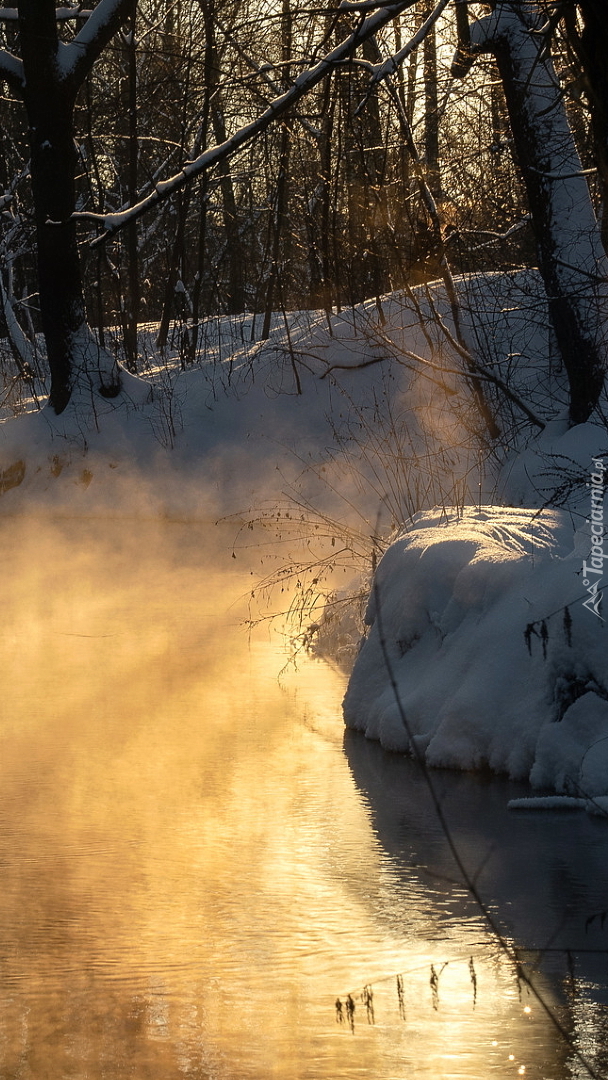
[(571, 257)]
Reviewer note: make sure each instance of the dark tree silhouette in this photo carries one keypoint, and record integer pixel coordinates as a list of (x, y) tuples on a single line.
[(48, 76)]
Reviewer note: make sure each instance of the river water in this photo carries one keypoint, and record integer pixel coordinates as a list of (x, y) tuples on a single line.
[(196, 864)]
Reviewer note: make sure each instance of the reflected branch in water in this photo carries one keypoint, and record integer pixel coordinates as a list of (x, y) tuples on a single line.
[(509, 950)]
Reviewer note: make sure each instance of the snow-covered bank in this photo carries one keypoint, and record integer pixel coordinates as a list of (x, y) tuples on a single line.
[(363, 413), (478, 618)]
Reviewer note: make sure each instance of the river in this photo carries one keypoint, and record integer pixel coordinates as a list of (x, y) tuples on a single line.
[(196, 863)]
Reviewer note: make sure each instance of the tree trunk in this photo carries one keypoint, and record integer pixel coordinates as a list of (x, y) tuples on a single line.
[(236, 288), (133, 280), (62, 309), (591, 48), (431, 107), (282, 188), (49, 95), (320, 206), (571, 258), (278, 227)]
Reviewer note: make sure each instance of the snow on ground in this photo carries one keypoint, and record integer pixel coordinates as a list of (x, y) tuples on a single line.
[(356, 413), (356, 423)]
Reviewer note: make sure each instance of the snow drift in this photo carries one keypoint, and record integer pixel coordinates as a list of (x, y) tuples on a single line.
[(481, 652)]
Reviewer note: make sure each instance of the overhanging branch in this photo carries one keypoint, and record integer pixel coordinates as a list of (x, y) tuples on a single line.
[(11, 70), (370, 25)]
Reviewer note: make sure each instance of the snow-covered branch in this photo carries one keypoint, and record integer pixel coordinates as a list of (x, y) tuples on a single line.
[(495, 237), (368, 5), (563, 175), (77, 58), (372, 24), (390, 66), (11, 69), (62, 14), (263, 70)]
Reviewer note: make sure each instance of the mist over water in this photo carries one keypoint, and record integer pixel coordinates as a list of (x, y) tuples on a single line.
[(191, 869)]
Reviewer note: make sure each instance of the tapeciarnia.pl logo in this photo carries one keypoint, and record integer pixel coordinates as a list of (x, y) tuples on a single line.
[(594, 569)]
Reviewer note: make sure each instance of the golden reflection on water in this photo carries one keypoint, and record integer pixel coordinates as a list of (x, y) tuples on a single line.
[(189, 877)]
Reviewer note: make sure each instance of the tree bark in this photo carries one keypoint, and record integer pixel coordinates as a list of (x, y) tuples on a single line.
[(49, 91), (591, 49), (282, 188), (236, 287), (53, 161), (571, 258), (431, 107), (133, 280)]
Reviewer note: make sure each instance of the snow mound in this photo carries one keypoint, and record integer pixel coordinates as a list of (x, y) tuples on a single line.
[(477, 620)]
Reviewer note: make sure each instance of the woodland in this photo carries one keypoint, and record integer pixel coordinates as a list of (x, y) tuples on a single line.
[(164, 162)]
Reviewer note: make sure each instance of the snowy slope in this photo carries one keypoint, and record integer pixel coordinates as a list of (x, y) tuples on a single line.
[(365, 414)]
